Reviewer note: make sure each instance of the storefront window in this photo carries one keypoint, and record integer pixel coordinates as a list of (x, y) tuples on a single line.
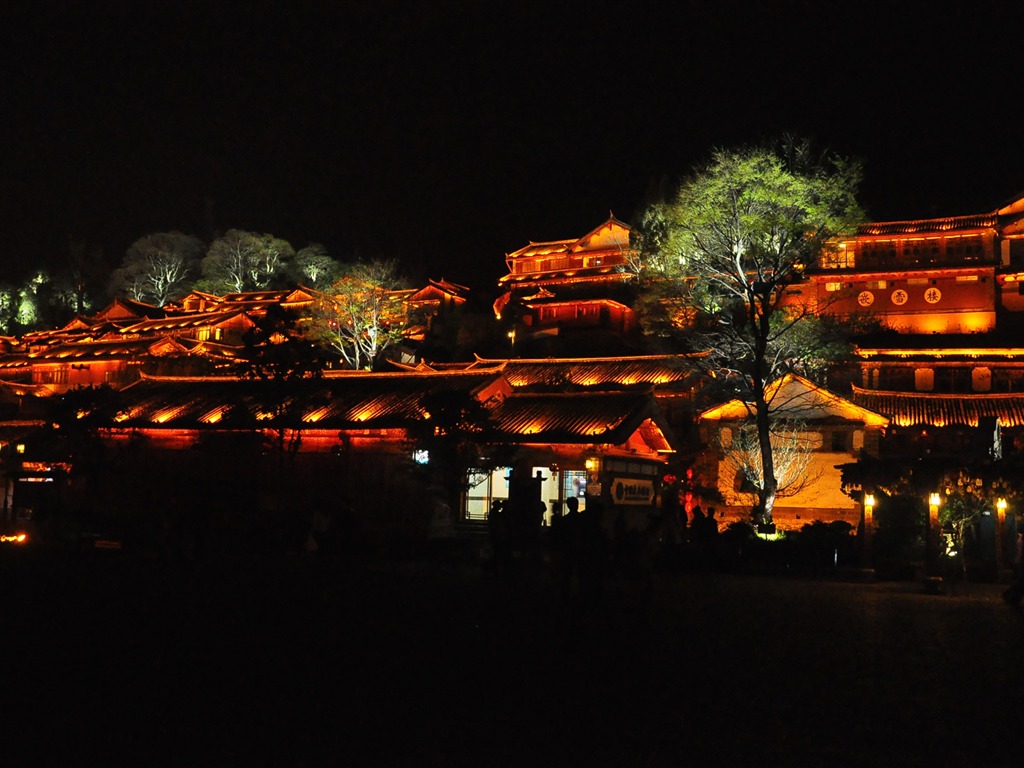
[(484, 487)]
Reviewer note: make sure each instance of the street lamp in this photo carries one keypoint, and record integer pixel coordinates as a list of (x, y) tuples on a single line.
[(869, 520), (932, 539), (1001, 542)]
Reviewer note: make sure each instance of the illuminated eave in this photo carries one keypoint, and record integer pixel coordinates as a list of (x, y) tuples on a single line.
[(606, 275), (940, 352), (822, 275)]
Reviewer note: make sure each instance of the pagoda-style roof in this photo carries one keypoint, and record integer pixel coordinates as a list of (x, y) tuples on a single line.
[(640, 371), (611, 235), (187, 322), (373, 401), (438, 290), (1005, 218), (263, 299), (594, 418), (357, 401), (944, 225), (906, 409), (599, 254), (125, 309), (795, 397), (576, 274), (91, 350)]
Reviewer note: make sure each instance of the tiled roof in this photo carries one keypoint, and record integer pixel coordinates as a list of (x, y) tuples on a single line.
[(389, 401), (941, 410), (594, 417), (917, 226), (571, 274), (795, 397), (362, 400), (652, 370), (78, 350), (182, 322)]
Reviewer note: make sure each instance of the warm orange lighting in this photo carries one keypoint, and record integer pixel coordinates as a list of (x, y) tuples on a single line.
[(591, 463), (934, 500), (213, 416), (869, 500), (20, 448), (16, 538), (1001, 506), (314, 416)]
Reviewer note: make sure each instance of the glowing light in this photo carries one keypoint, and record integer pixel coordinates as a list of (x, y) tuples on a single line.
[(314, 416), (869, 500), (213, 416), (934, 500), (16, 538), (167, 414)]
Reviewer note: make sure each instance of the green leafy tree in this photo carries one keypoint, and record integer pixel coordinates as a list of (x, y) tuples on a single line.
[(314, 267), (158, 268), (738, 233), (244, 261), (361, 315)]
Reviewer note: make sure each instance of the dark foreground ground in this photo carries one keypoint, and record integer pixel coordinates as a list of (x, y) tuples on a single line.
[(114, 660)]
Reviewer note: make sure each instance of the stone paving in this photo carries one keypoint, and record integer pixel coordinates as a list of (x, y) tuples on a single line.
[(319, 663)]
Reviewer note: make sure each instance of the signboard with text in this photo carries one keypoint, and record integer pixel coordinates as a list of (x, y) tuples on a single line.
[(632, 491)]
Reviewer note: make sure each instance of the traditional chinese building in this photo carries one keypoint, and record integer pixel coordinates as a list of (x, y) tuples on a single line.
[(356, 441), (954, 274), (563, 286)]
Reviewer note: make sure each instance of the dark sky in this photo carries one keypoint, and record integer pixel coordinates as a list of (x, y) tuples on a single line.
[(448, 133)]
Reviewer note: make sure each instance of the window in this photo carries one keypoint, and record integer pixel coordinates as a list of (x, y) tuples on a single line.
[(924, 379), (482, 489), (574, 485)]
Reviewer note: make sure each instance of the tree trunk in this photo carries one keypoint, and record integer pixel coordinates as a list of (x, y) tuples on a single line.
[(760, 308), (769, 485)]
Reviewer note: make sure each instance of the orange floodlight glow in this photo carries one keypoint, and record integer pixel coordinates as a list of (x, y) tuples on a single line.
[(15, 538)]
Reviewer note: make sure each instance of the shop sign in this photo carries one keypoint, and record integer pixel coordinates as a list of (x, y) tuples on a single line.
[(632, 491)]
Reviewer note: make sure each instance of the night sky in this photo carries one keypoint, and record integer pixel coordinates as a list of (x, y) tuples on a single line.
[(446, 134)]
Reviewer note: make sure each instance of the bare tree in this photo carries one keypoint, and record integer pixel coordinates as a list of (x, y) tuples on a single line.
[(244, 261), (157, 268), (792, 450)]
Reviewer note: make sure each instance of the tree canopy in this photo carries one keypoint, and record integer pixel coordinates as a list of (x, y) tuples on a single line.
[(361, 315), (244, 261), (158, 267), (314, 267), (738, 233)]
